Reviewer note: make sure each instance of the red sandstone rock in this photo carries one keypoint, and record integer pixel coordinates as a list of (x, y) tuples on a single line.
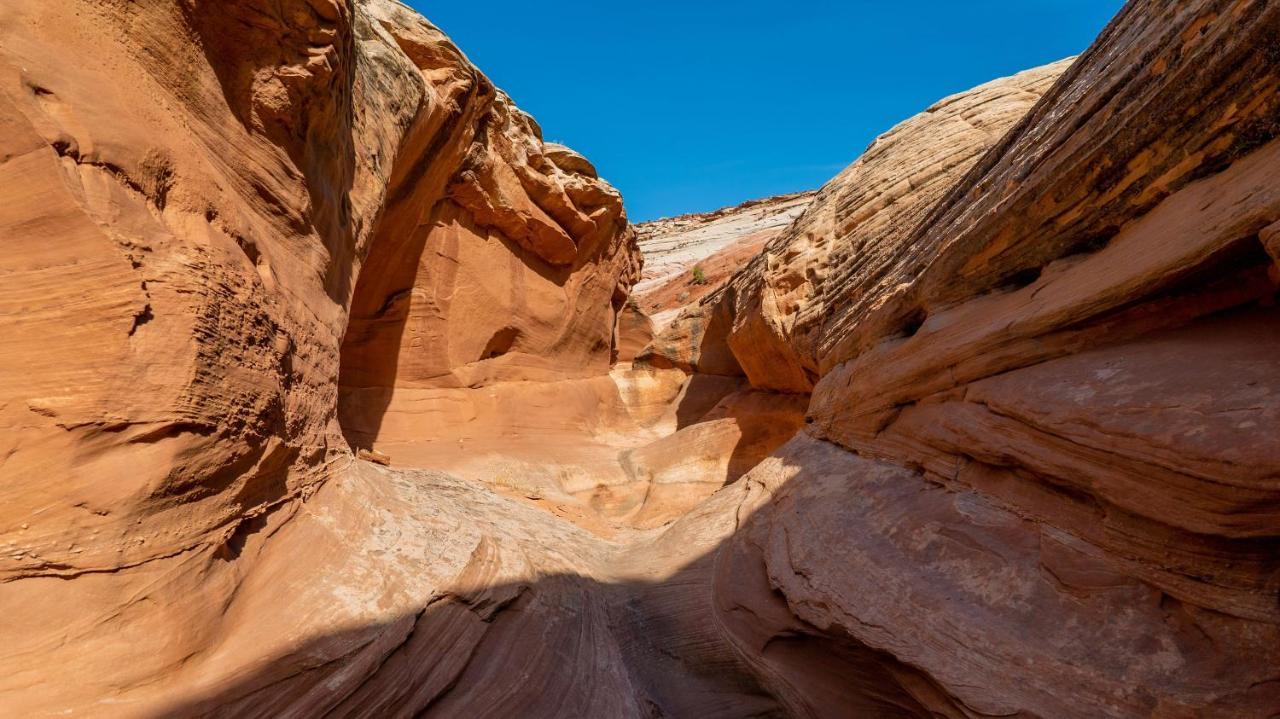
[(1065, 357), (197, 196), (772, 313), (1037, 323)]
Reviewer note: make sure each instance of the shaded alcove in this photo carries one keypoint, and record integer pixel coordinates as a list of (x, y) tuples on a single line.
[(443, 301), (370, 353)]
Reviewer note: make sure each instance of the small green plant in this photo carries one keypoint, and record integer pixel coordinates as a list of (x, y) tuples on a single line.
[(699, 277), (633, 304)]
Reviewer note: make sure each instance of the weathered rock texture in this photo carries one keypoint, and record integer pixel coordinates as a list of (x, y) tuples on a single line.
[(197, 294), (988, 431), (716, 243), (487, 222), (774, 314), (197, 196), (1052, 365)]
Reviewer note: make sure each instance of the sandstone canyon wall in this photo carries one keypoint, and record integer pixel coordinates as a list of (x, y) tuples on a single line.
[(987, 430), (766, 319), (716, 243), (1049, 374), (202, 200)]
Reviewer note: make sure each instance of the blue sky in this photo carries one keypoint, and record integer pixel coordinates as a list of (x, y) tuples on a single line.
[(693, 105)]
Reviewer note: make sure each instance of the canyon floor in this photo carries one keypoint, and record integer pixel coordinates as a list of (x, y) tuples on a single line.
[(331, 388)]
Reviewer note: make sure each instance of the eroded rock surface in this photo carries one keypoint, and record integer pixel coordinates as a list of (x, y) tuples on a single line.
[(772, 314), (1050, 378), (716, 244), (488, 222), (987, 430)]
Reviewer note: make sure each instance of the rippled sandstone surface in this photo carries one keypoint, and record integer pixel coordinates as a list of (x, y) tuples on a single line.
[(986, 429)]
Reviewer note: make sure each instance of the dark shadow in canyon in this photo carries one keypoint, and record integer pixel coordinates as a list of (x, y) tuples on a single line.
[(460, 652), (702, 393)]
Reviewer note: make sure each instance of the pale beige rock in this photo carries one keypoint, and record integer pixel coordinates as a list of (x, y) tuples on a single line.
[(716, 243)]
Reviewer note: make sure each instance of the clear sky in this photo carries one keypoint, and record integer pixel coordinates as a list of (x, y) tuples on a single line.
[(691, 105)]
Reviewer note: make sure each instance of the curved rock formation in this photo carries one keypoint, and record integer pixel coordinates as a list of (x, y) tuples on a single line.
[(1053, 380), (772, 313), (198, 196), (484, 221), (987, 431)]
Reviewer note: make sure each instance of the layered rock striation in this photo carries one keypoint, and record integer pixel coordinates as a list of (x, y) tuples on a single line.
[(770, 314), (985, 429), (715, 244), (224, 223), (1047, 377)]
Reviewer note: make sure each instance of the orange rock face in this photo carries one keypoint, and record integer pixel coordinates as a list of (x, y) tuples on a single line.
[(214, 287), (318, 395), (201, 201), (181, 303), (1050, 369), (488, 222)]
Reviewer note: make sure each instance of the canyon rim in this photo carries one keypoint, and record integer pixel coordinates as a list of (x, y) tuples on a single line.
[(330, 388)]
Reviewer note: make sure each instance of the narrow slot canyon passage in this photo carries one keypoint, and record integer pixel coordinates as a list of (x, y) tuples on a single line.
[(626, 448), (332, 388)]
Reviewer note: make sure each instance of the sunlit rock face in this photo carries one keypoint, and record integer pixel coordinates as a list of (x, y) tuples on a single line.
[(484, 221), (201, 200), (1051, 365), (688, 257), (772, 315), (985, 428)]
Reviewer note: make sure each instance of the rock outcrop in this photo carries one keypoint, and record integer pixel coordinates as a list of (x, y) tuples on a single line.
[(484, 221), (201, 201), (772, 314), (1049, 382), (715, 244), (987, 430)]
